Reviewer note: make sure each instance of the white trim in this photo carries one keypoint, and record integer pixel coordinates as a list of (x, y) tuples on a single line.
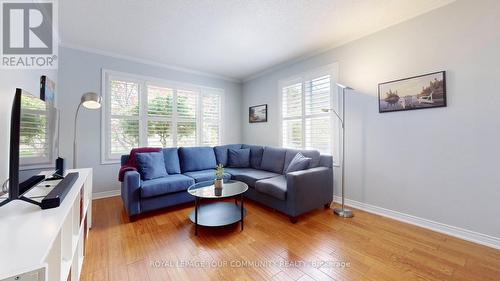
[(148, 62), (454, 231), (106, 194)]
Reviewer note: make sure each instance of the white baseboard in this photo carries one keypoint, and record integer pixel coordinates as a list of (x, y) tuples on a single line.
[(458, 232), (105, 194)]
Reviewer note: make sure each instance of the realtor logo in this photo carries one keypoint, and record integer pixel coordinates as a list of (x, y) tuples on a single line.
[(28, 39)]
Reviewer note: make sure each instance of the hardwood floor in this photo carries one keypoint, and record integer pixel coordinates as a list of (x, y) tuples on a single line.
[(162, 246)]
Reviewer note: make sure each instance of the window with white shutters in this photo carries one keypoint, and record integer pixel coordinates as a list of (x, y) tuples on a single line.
[(139, 112), (305, 124)]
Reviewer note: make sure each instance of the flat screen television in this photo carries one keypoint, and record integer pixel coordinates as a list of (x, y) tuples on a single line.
[(33, 143)]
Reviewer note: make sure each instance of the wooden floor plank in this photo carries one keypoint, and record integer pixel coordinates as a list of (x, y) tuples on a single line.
[(321, 246)]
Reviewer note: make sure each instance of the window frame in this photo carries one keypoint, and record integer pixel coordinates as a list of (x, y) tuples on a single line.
[(144, 81), (335, 101)]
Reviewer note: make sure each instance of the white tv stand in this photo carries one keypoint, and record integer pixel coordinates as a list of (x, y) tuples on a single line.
[(46, 245)]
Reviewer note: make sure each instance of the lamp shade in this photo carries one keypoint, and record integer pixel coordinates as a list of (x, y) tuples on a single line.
[(91, 100)]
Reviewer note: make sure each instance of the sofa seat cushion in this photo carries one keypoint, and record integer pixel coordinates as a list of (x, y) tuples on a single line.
[(205, 175), (165, 185), (250, 175), (275, 187)]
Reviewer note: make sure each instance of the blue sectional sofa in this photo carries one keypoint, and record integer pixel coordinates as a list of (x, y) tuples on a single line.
[(293, 193)]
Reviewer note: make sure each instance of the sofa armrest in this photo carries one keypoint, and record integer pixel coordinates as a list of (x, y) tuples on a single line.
[(309, 189), (131, 192)]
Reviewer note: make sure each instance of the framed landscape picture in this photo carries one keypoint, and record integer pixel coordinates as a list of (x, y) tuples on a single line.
[(419, 92), (257, 114)]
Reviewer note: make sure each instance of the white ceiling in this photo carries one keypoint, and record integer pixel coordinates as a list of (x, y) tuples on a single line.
[(230, 38)]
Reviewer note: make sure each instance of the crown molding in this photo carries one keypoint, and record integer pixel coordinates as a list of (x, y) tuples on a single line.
[(147, 62)]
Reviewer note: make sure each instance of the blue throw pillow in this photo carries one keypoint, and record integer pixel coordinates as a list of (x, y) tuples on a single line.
[(151, 165), (298, 163), (238, 158)]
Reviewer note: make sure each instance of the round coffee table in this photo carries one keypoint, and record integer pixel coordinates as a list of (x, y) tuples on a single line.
[(215, 214)]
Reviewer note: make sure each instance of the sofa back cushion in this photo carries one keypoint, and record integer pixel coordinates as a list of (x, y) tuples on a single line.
[(171, 157), (124, 159), (313, 154), (238, 158), (151, 165), (197, 158), (273, 159), (256, 152), (221, 152)]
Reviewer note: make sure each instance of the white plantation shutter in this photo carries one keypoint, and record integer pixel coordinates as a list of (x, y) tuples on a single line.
[(292, 115), (187, 107), (292, 133), (123, 122), (318, 96), (304, 123), (211, 118), (318, 134), (292, 101), (160, 112), (157, 114)]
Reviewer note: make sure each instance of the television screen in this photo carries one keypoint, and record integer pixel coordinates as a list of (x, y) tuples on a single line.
[(37, 137)]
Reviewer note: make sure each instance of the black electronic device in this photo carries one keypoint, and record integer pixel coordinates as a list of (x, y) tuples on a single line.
[(56, 196), (60, 168)]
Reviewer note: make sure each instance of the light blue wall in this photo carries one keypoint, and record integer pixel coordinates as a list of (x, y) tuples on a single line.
[(80, 72), (437, 164)]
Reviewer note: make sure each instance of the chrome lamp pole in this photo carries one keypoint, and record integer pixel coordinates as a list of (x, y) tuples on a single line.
[(91, 101), (342, 211)]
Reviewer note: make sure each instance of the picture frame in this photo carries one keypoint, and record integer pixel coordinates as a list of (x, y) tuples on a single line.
[(47, 90), (417, 92), (257, 113)]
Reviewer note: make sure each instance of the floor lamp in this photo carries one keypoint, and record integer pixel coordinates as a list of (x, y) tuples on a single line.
[(342, 211), (91, 101)]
